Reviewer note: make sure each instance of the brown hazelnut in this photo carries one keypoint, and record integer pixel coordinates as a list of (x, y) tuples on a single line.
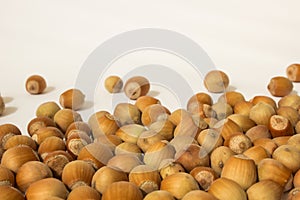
[(280, 86), (136, 86), (216, 81), (35, 84)]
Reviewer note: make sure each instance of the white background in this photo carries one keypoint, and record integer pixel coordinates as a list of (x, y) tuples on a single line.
[(251, 41)]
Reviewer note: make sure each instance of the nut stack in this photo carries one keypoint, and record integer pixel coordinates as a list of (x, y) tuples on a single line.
[(232, 148)]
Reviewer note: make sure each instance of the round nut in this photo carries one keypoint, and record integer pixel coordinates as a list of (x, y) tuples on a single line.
[(136, 86), (72, 99), (293, 72), (216, 81), (35, 84), (280, 86), (113, 84)]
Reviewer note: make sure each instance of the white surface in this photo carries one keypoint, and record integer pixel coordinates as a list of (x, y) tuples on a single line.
[(250, 41)]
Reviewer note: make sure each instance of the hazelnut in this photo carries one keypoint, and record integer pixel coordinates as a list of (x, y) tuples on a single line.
[(280, 86), (72, 99), (2, 106), (216, 81), (113, 84), (47, 109), (35, 84), (136, 86), (280, 126), (293, 72)]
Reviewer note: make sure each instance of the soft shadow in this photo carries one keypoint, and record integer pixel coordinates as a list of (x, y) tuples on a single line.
[(87, 105), (49, 89), (9, 110), (231, 88), (7, 99), (294, 92), (153, 93)]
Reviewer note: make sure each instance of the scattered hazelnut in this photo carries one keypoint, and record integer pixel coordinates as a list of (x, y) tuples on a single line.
[(72, 99), (35, 84), (136, 86), (216, 81), (113, 84), (280, 86), (293, 72)]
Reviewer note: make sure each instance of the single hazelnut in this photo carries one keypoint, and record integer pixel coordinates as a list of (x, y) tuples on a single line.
[(113, 84), (280, 86), (72, 99), (136, 86), (216, 81), (293, 72), (35, 84)]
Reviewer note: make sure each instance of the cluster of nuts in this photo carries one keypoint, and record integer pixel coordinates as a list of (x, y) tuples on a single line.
[(232, 148)]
